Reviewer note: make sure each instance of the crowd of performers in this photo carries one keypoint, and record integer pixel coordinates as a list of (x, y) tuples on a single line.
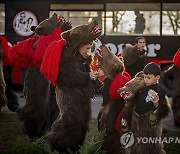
[(60, 84)]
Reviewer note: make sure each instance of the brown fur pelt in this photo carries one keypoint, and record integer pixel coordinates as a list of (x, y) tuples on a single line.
[(112, 143), (12, 99), (7, 95), (133, 59), (106, 118), (147, 125), (35, 113), (141, 127), (111, 66), (3, 99), (131, 88), (173, 73), (41, 109), (109, 62), (73, 92)]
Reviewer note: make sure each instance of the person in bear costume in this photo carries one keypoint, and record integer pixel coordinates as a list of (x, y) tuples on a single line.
[(144, 120), (74, 86), (12, 99), (3, 99), (173, 73), (134, 56), (40, 109), (112, 69)]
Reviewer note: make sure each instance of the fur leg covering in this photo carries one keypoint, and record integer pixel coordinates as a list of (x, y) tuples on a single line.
[(3, 99), (70, 127), (35, 112)]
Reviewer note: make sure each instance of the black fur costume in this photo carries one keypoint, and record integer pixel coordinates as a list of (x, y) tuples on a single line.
[(173, 74), (146, 125), (3, 99), (134, 59), (40, 110), (73, 92), (6, 78), (113, 104)]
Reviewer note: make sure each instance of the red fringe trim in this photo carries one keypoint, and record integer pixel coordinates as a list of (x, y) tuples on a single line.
[(5, 47), (22, 52), (51, 61), (43, 43)]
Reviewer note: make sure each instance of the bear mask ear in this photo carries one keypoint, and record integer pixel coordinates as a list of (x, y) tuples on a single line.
[(140, 74), (65, 35), (54, 17)]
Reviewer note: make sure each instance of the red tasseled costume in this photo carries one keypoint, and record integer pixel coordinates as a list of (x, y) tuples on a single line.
[(43, 43), (119, 81), (4, 43), (23, 54), (51, 61), (176, 58)]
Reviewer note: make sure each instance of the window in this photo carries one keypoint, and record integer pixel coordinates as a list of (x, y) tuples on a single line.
[(133, 18), (124, 18), (77, 15), (171, 19), (2, 19)]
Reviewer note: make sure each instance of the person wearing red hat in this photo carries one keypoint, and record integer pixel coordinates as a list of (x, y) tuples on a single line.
[(12, 99)]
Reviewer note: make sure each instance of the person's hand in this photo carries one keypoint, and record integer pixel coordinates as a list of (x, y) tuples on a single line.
[(100, 73), (155, 100), (123, 122), (154, 97), (93, 75)]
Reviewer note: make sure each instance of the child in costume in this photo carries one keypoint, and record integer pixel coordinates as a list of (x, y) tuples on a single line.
[(112, 69), (151, 107)]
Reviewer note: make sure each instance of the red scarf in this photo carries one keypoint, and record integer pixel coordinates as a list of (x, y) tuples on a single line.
[(22, 53), (43, 43), (4, 43), (51, 61), (176, 58)]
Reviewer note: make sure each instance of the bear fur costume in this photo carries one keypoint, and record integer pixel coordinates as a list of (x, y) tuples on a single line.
[(3, 99), (40, 110), (134, 59), (128, 92), (74, 88), (173, 74), (12, 99), (111, 111), (151, 122)]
